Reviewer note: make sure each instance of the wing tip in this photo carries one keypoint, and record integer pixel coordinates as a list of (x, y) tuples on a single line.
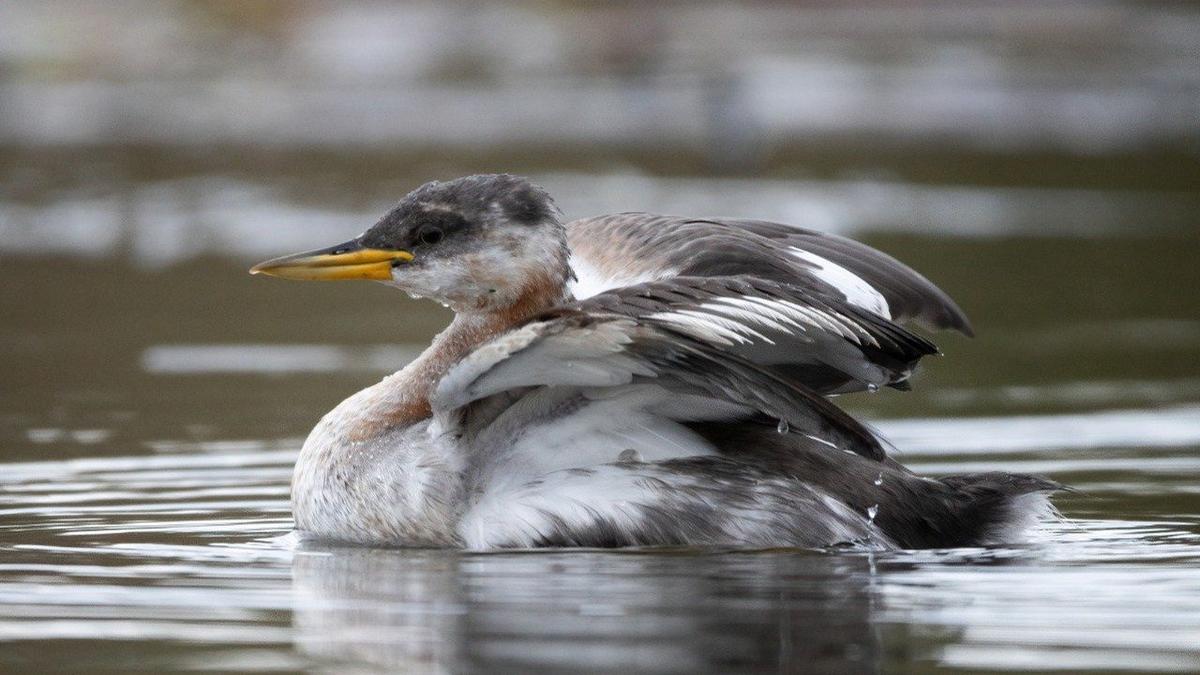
[(949, 316), (960, 322)]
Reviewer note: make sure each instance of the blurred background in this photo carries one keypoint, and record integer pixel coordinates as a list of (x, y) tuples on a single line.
[(1039, 161)]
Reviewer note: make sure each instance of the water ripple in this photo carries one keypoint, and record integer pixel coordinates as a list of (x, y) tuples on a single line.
[(191, 545)]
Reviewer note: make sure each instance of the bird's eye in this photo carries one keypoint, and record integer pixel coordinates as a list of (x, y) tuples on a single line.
[(431, 235)]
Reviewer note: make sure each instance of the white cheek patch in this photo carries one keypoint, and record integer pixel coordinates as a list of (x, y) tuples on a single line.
[(857, 291), (435, 280), (464, 280)]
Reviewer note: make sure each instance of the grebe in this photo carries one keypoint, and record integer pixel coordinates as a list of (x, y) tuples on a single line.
[(633, 380)]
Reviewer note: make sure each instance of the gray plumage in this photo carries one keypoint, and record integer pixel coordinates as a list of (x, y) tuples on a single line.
[(637, 380), (725, 247), (836, 350)]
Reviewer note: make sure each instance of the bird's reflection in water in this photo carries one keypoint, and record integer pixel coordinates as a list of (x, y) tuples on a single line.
[(586, 610)]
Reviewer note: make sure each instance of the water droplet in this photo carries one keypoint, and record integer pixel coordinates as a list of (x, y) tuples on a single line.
[(782, 427), (872, 511), (878, 479), (872, 387)]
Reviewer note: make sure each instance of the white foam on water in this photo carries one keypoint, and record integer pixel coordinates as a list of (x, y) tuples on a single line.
[(196, 359), (161, 223), (1164, 428), (1112, 393)]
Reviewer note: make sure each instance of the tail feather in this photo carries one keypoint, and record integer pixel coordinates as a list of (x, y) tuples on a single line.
[(1002, 507), (915, 512)]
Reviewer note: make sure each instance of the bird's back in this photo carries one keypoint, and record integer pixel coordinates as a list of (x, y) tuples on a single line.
[(681, 399)]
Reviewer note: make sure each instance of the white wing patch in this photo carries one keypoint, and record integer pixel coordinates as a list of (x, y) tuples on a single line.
[(709, 327), (590, 280), (728, 321), (857, 291)]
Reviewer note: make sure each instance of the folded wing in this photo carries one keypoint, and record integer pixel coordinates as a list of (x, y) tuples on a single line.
[(807, 335), (551, 369), (578, 421), (629, 248)]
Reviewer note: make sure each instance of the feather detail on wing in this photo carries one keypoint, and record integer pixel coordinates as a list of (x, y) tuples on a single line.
[(808, 336), (632, 248), (574, 348), (685, 337), (698, 501), (730, 316)]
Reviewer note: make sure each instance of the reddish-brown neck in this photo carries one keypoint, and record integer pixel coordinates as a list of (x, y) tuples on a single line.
[(402, 399)]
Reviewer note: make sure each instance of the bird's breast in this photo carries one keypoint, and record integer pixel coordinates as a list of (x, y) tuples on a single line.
[(397, 487)]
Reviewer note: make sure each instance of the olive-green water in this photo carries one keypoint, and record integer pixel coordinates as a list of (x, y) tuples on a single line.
[(150, 414), (1040, 165)]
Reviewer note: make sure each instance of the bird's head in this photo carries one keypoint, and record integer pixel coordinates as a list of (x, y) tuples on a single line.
[(478, 243)]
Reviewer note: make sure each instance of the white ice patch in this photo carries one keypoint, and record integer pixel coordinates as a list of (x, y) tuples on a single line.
[(857, 291)]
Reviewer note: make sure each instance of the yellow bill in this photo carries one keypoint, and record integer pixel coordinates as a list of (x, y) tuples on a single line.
[(344, 261)]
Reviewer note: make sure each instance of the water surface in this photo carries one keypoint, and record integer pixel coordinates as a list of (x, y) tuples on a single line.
[(1039, 165), (150, 418)]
